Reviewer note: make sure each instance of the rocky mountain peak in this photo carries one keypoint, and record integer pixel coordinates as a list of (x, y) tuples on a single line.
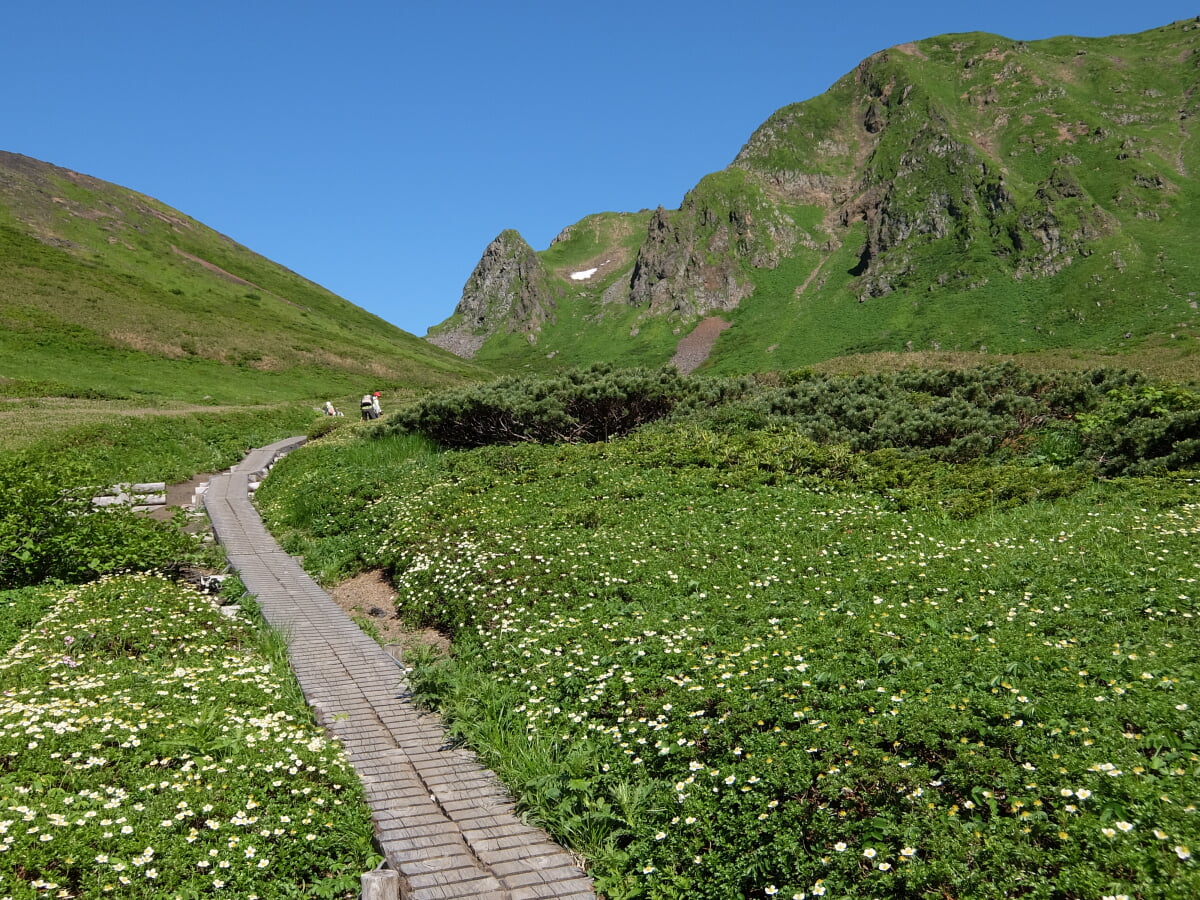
[(509, 290)]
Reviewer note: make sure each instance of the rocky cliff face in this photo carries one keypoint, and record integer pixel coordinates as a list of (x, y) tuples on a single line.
[(696, 260), (674, 274), (510, 290)]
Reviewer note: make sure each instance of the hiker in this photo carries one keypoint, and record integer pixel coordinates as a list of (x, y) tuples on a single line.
[(367, 407), (376, 411), (330, 410)]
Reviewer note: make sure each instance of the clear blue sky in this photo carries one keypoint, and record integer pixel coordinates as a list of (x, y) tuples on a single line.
[(377, 146)]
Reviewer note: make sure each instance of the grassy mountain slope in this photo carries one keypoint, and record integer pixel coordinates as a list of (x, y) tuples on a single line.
[(963, 193), (107, 292)]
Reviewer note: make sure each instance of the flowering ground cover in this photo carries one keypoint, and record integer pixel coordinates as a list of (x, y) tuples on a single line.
[(726, 666), (151, 747)]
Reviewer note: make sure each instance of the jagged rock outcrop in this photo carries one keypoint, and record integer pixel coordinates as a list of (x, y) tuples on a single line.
[(697, 259), (509, 290), (673, 275), (1056, 227), (941, 188)]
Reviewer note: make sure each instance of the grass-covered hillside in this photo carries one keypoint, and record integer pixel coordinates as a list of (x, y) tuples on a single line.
[(965, 193), (106, 293), (919, 635)]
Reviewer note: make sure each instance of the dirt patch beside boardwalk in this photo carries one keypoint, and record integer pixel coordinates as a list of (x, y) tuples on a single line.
[(370, 596)]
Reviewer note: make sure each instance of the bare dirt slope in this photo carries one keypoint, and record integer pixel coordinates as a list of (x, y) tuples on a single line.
[(694, 349)]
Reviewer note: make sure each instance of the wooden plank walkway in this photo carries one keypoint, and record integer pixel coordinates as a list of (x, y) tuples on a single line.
[(443, 822)]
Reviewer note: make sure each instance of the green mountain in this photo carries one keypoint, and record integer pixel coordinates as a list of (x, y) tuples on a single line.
[(966, 192), (105, 292)]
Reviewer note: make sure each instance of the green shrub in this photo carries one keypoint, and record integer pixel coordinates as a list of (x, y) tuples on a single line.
[(582, 405), (1115, 421), (49, 531), (1143, 428)]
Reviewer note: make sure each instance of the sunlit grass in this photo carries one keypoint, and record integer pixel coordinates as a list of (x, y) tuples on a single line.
[(118, 441), (28, 421)]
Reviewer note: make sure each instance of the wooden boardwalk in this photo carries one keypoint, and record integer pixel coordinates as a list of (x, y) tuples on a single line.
[(443, 822)]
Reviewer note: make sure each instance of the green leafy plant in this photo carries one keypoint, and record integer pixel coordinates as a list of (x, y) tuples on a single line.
[(150, 748), (49, 531)]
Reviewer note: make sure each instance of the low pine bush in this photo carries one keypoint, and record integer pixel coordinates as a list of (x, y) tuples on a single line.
[(579, 406), (1110, 421)]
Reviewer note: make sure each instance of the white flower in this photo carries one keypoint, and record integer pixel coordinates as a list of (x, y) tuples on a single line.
[(869, 853), (1182, 852), (1125, 826)]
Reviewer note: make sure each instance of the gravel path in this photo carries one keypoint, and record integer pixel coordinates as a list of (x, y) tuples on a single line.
[(693, 350)]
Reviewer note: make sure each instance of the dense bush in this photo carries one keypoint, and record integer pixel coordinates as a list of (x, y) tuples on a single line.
[(1142, 428), (955, 415), (1111, 421), (579, 406)]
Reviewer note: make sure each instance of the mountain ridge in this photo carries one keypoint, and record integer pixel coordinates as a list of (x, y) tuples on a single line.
[(964, 192)]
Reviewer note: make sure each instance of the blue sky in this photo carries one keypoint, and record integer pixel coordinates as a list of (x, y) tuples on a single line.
[(377, 147)]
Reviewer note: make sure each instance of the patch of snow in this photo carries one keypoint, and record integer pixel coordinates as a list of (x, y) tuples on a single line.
[(584, 275)]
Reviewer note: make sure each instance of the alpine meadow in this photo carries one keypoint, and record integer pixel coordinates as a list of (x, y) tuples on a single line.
[(833, 535)]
